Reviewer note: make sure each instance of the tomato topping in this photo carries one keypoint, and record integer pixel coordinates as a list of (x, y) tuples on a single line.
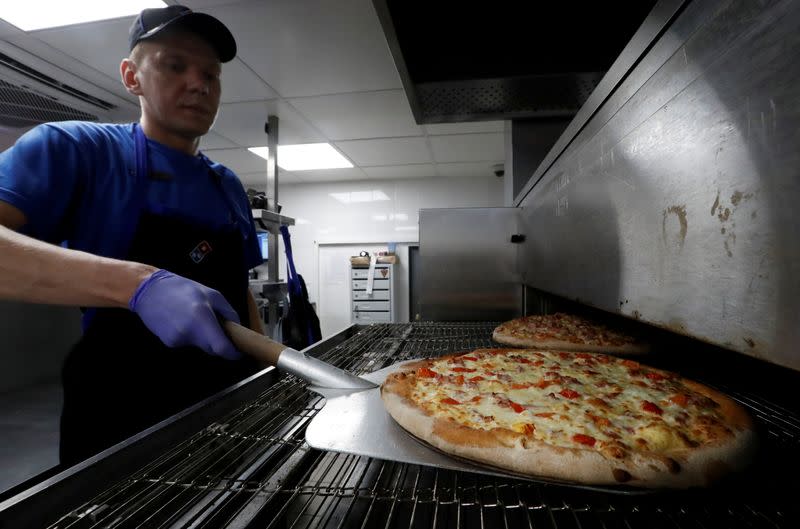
[(587, 440), (520, 386), (543, 383), (470, 358), (538, 363), (476, 379), (528, 428), (522, 360), (600, 421), (604, 359), (476, 398), (464, 370), (424, 372), (448, 400), (652, 408), (655, 376), (680, 399), (459, 379), (564, 356), (569, 394), (630, 363), (546, 415), (585, 356), (516, 407)]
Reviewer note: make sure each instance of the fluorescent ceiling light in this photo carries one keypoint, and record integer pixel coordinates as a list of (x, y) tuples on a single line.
[(299, 220), (29, 15), (306, 157), (360, 196), (390, 216)]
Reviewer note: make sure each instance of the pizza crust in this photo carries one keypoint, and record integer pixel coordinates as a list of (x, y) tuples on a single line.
[(556, 345), (505, 449), (517, 332)]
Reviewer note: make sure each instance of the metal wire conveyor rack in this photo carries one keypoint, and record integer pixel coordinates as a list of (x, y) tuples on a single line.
[(253, 469)]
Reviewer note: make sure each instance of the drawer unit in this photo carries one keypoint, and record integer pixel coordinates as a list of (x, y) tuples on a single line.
[(377, 295), (377, 305), (363, 273), (371, 305), (372, 317), (378, 284)]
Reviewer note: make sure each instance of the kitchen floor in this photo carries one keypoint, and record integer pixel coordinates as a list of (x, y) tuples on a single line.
[(29, 421)]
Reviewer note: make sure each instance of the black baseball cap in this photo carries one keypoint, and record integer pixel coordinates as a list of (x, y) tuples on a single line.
[(151, 22)]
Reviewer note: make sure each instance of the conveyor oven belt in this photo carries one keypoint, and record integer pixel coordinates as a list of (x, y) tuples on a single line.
[(252, 468)]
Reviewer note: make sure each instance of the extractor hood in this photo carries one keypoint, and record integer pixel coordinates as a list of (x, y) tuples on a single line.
[(504, 59)]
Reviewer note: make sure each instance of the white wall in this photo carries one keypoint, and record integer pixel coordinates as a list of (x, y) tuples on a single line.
[(323, 220)]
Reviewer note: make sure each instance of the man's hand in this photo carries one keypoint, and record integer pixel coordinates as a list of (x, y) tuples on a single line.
[(182, 312)]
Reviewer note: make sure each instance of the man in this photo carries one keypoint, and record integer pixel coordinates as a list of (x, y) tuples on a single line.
[(156, 239)]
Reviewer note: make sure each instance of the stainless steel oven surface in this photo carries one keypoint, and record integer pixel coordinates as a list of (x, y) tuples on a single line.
[(251, 467)]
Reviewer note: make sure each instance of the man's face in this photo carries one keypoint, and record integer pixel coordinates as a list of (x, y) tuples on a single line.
[(179, 77)]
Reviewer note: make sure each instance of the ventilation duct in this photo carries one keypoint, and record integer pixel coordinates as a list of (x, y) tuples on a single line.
[(29, 97)]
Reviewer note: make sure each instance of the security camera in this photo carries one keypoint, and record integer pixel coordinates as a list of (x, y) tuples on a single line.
[(499, 170)]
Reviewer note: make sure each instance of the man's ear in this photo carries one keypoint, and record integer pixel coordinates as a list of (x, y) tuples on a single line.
[(127, 70)]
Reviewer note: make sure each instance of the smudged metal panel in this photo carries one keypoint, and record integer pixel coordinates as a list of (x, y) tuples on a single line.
[(675, 203)]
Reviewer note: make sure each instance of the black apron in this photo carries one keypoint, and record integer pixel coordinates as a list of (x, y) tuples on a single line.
[(120, 379)]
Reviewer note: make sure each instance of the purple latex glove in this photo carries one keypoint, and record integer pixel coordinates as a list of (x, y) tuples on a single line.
[(182, 312)]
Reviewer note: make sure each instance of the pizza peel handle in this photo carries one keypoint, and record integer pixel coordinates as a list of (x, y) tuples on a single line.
[(318, 373)]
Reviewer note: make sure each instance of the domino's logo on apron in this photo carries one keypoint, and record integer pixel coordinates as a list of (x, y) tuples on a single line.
[(200, 251)]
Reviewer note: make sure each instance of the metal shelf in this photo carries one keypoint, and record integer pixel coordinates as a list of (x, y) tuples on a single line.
[(271, 217)]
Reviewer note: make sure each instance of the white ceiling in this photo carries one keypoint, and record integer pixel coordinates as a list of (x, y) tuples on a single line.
[(323, 67)]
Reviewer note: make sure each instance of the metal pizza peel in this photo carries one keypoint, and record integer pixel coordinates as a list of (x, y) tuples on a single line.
[(353, 419)]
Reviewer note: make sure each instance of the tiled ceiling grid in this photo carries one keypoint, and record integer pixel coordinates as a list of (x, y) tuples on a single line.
[(322, 67)]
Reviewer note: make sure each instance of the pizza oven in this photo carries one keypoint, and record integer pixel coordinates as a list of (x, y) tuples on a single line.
[(665, 206), (240, 459)]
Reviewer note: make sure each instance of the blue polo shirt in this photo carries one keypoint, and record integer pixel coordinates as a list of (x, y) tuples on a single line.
[(75, 182)]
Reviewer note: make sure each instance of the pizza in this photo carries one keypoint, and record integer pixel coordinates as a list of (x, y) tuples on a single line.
[(580, 417), (566, 332)]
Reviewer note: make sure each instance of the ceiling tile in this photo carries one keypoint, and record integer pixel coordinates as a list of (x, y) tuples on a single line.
[(401, 171), (360, 115), (243, 123), (239, 83), (101, 45), (312, 47), (468, 147), (7, 29), (394, 151), (472, 169), (213, 140), (332, 175), (238, 160), (464, 128)]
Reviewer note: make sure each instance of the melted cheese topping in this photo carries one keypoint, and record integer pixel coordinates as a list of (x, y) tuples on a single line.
[(565, 328), (574, 400)]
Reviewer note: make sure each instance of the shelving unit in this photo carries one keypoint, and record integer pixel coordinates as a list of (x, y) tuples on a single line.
[(377, 306), (274, 289)]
